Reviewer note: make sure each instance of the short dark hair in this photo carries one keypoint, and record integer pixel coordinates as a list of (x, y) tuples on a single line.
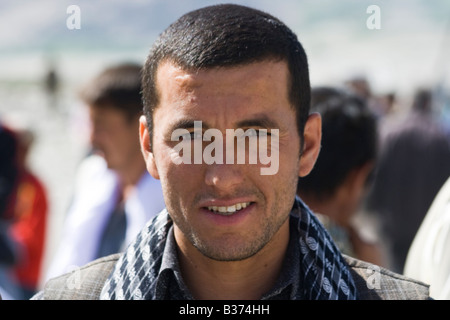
[(117, 87), (349, 139), (225, 36)]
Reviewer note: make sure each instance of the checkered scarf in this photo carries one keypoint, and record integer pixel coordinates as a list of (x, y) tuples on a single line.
[(324, 271)]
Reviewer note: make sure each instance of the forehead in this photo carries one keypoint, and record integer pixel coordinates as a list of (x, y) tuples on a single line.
[(263, 70), (265, 81), (106, 113)]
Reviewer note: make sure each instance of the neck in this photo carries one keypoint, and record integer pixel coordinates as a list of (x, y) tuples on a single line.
[(130, 176), (247, 279)]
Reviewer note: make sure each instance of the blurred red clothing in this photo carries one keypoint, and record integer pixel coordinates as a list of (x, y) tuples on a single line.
[(28, 229)]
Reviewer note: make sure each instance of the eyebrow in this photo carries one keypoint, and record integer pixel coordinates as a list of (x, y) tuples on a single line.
[(186, 124), (261, 121)]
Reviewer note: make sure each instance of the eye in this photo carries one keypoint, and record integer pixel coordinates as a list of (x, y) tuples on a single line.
[(260, 133), (196, 134), (251, 133), (263, 133)]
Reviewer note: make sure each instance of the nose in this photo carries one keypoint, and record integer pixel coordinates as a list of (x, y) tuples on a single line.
[(224, 177)]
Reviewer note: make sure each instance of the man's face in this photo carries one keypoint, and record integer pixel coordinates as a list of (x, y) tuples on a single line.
[(113, 136), (253, 96)]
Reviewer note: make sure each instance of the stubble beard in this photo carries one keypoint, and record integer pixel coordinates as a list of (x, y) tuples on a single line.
[(229, 247)]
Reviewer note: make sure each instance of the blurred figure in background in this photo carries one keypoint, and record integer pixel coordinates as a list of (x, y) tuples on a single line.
[(8, 171), (428, 258), (29, 225), (25, 217), (414, 163), (380, 105), (114, 194), (8, 186), (336, 186), (51, 83)]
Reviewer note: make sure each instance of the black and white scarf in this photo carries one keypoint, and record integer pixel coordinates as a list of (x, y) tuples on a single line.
[(325, 274)]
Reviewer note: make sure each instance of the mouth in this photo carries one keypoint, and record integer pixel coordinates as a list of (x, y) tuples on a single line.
[(228, 210)]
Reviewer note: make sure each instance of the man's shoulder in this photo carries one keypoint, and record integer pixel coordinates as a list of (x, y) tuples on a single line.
[(377, 283), (84, 283), (373, 282)]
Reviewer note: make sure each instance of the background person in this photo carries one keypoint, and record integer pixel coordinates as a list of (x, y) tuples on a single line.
[(335, 188), (114, 194), (8, 192), (29, 224), (413, 164), (428, 257)]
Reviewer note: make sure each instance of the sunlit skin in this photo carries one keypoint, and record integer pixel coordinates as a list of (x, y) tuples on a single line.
[(237, 256)]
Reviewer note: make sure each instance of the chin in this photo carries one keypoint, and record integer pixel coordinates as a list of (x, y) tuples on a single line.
[(229, 249)]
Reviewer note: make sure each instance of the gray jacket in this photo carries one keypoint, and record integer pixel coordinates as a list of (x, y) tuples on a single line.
[(373, 282)]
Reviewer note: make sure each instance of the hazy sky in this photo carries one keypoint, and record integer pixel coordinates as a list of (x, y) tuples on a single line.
[(408, 51)]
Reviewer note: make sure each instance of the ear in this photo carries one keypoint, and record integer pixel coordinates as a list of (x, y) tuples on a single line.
[(311, 144), (146, 147)]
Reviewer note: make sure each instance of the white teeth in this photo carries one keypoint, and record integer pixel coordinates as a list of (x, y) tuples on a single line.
[(230, 209)]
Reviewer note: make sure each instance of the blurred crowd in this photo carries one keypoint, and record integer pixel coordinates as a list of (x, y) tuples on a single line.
[(23, 216), (382, 164)]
